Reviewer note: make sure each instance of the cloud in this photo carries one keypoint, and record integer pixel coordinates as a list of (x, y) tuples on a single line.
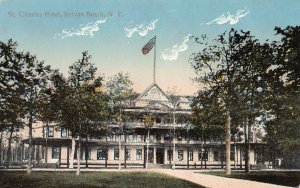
[(83, 30), (172, 54), (232, 19), (141, 29)]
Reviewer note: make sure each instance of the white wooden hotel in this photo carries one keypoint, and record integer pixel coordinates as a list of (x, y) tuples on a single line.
[(52, 147)]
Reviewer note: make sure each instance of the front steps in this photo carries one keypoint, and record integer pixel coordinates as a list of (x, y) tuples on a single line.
[(159, 166)]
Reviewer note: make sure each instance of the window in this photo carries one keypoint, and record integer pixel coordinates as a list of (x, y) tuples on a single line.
[(232, 153), (168, 121), (151, 138), (63, 132), (116, 154), (83, 151), (199, 156), (130, 138), (180, 155), (55, 152), (167, 137), (139, 138), (50, 131), (205, 156), (134, 138), (190, 155), (170, 155), (158, 137), (179, 137), (138, 154), (216, 156), (158, 120), (127, 154), (122, 138), (202, 154), (101, 154)]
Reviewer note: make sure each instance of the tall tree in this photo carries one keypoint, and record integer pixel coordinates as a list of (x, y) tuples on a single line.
[(11, 102), (120, 92), (35, 77), (282, 96), (81, 102), (220, 67), (207, 119), (23, 78)]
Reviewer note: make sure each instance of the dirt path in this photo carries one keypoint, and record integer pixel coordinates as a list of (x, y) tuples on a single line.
[(214, 181)]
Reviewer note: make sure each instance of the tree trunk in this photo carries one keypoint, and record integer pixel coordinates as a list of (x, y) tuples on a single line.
[(86, 155), (72, 153), (46, 149), (247, 165), (119, 151), (30, 145), (8, 155), (234, 153), (78, 156), (147, 157), (1, 147), (227, 142)]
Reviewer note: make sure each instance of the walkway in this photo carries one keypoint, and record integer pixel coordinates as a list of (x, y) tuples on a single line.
[(214, 181)]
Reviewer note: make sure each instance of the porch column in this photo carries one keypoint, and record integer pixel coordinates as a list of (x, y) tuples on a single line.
[(188, 157), (125, 156), (68, 156), (106, 157), (154, 155), (145, 153), (22, 153)]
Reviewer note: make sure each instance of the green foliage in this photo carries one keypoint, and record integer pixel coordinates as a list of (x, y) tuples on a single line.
[(253, 79), (208, 118), (148, 121), (120, 93), (79, 104), (282, 97)]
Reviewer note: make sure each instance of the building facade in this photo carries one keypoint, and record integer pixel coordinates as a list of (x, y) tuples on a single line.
[(167, 139)]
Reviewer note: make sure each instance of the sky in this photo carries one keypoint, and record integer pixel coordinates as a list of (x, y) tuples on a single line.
[(114, 32)]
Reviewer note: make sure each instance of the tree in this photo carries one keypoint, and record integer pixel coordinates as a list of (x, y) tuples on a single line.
[(35, 77), (120, 92), (207, 119), (81, 103), (11, 101), (220, 67), (148, 121), (23, 78), (282, 96)]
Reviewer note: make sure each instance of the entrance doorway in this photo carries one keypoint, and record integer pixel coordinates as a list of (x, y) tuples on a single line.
[(150, 155), (159, 155)]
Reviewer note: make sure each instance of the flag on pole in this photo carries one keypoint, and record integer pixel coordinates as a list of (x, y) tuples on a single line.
[(146, 49)]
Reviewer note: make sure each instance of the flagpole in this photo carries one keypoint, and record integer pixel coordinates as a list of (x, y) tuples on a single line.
[(154, 62)]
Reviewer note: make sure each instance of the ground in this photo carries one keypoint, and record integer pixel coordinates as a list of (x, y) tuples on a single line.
[(287, 178), (91, 179)]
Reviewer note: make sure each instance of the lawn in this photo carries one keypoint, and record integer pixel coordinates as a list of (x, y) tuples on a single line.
[(90, 179), (291, 178)]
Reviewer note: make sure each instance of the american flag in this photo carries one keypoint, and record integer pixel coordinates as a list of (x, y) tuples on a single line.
[(146, 49)]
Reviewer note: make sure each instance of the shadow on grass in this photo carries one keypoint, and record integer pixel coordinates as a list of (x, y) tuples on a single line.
[(90, 180), (291, 178)]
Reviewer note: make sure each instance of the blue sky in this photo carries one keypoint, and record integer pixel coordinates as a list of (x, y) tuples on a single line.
[(115, 31)]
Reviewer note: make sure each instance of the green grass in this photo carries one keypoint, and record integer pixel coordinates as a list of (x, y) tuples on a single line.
[(90, 179), (291, 178)]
